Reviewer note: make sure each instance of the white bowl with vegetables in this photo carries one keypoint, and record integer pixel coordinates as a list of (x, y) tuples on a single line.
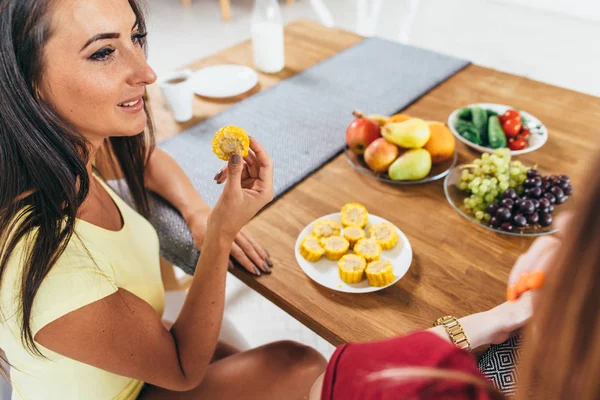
[(486, 126)]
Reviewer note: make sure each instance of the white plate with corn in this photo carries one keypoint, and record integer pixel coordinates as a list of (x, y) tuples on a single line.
[(353, 251)]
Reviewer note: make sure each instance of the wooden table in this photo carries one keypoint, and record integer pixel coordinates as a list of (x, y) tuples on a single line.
[(458, 268)]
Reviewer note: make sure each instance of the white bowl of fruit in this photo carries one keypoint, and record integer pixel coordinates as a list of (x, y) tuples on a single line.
[(485, 127), (507, 196), (400, 149)]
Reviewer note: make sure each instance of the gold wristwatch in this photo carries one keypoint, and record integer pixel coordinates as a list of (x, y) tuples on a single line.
[(455, 331)]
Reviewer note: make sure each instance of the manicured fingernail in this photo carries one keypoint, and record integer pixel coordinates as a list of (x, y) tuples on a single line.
[(269, 262), (266, 268), (256, 271), (218, 175), (236, 159)]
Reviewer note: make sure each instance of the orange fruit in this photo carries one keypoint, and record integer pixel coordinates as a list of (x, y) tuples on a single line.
[(441, 143), (398, 118)]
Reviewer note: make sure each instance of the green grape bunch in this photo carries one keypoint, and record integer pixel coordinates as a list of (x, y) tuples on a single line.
[(486, 179)]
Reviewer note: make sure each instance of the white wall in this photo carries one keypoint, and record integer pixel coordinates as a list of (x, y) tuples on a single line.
[(587, 9)]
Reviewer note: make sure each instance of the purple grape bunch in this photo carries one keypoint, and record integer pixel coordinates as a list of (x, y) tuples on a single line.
[(534, 207)]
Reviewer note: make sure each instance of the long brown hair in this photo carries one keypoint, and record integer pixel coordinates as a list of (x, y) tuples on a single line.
[(562, 347), (43, 155)]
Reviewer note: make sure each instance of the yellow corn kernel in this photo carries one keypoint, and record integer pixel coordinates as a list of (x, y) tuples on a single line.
[(368, 248), (335, 247), (354, 214), (380, 273), (311, 249), (325, 228), (385, 234), (353, 234), (230, 139), (352, 268)]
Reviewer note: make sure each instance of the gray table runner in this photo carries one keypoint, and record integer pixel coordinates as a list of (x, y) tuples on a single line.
[(301, 122)]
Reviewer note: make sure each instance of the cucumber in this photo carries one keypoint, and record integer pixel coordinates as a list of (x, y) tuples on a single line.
[(496, 135), (491, 113), (465, 114), (468, 131), (480, 120)]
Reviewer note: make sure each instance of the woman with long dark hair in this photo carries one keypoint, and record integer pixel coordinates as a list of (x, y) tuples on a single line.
[(561, 350), (81, 295)]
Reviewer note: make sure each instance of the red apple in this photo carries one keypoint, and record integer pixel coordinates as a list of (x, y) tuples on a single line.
[(361, 133), (380, 154)]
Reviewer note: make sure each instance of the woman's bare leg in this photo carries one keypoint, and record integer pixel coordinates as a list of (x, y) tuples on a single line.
[(317, 388), (222, 351), (281, 370)]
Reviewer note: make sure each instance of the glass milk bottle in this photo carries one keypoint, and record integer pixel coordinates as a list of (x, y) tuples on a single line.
[(267, 36)]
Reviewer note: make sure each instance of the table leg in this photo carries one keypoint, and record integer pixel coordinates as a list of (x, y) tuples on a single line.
[(374, 17), (362, 7), (225, 9), (367, 15), (322, 12), (413, 7)]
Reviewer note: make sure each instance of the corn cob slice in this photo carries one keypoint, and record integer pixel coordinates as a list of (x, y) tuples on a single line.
[(335, 247), (325, 228), (385, 234), (380, 273), (353, 234), (311, 249), (368, 248), (352, 268), (229, 140), (354, 214)]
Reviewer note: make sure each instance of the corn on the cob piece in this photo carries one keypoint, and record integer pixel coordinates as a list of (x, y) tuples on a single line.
[(353, 234), (352, 268), (380, 273), (354, 214), (335, 247), (311, 249), (230, 139), (368, 248), (385, 234), (325, 228)]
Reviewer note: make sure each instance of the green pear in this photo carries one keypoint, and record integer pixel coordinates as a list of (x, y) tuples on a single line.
[(413, 165)]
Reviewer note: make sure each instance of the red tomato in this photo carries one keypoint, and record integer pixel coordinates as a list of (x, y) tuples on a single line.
[(524, 134), (510, 114), (517, 144), (512, 127)]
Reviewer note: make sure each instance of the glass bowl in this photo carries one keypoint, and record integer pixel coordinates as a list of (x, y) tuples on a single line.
[(456, 197), (437, 171)]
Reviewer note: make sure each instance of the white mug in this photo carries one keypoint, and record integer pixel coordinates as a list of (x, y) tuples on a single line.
[(177, 90)]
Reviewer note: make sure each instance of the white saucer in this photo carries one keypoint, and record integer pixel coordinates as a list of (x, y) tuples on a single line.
[(221, 81)]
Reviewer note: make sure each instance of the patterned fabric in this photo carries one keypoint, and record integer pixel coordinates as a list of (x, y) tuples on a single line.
[(301, 122), (499, 364)]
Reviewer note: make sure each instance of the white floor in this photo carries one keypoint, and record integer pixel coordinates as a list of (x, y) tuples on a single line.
[(557, 48)]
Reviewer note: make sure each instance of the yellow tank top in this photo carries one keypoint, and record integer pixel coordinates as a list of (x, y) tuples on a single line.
[(127, 259)]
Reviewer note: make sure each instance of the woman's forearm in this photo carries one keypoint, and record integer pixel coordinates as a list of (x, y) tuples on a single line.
[(479, 328), (196, 330), (166, 178)]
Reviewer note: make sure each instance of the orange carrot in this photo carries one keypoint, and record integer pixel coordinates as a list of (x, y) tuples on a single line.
[(535, 280), (522, 283), (511, 293)]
